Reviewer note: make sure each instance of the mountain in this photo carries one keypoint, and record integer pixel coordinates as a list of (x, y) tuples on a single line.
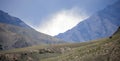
[(14, 33), (106, 49), (6, 18), (100, 25)]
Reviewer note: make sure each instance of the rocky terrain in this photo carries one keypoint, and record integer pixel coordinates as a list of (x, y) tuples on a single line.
[(100, 25), (14, 33)]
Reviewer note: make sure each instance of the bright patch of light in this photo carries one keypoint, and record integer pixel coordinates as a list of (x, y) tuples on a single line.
[(62, 21)]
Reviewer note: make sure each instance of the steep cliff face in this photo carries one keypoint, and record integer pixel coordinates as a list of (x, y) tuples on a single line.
[(14, 33), (102, 24)]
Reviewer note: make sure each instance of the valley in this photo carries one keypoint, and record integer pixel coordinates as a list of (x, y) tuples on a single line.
[(97, 38), (106, 49)]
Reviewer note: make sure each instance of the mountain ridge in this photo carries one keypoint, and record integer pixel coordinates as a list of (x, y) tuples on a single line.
[(100, 25), (14, 33), (6, 18)]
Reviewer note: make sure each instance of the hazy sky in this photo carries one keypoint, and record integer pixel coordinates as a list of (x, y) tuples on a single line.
[(52, 16)]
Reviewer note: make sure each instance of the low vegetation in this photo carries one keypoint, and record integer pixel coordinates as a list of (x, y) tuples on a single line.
[(107, 49)]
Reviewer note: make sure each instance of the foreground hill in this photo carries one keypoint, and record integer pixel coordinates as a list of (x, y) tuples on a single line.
[(107, 49), (102, 24), (14, 33)]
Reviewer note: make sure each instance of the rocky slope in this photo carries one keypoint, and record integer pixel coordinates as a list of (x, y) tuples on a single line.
[(14, 33), (100, 25)]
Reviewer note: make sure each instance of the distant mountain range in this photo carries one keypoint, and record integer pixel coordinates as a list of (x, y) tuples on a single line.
[(100, 25), (14, 33)]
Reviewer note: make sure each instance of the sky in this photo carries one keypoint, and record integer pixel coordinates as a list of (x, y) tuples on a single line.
[(53, 16)]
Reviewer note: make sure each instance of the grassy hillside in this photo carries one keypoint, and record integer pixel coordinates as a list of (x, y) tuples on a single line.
[(107, 49)]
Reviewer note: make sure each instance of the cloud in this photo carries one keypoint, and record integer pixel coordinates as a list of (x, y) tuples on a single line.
[(61, 21)]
